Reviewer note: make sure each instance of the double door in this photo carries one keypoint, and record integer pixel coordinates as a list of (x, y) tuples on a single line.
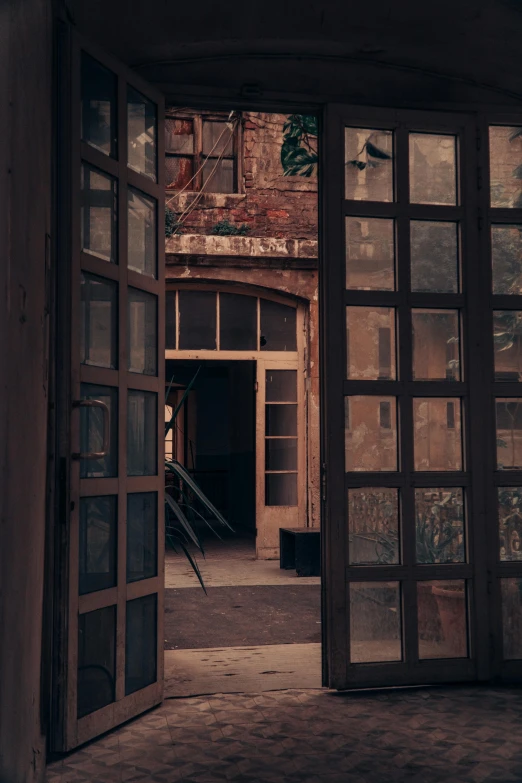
[(421, 296)]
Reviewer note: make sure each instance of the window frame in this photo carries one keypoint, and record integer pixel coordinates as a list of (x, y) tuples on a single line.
[(197, 156)]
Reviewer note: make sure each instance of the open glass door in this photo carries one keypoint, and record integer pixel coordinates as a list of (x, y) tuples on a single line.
[(114, 636), (405, 553)]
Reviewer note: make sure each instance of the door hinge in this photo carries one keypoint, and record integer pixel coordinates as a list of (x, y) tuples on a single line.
[(323, 482), (256, 386)]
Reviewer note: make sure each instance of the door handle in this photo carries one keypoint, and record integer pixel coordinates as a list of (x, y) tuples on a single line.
[(106, 429)]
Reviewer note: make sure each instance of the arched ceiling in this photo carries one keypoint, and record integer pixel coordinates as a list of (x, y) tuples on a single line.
[(451, 48)]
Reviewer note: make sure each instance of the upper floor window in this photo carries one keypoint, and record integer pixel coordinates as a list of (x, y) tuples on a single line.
[(201, 152)]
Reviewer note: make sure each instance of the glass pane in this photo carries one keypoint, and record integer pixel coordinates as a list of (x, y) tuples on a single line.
[(373, 524), (507, 343), (511, 590), (141, 130), (218, 176), (179, 136), (99, 321), (506, 259), (509, 433), (179, 172), (281, 420), (436, 350), (141, 643), (433, 170), (505, 166), (98, 536), (442, 619), (278, 326), (370, 433), (437, 433), (143, 332), (439, 525), (281, 386), (142, 248), (98, 214), (281, 489), (370, 254), (375, 622), (96, 660), (510, 523), (99, 95), (142, 434), (92, 425), (170, 320), (217, 138), (370, 343), (369, 165), (281, 454), (237, 322), (197, 320), (434, 257), (142, 539)]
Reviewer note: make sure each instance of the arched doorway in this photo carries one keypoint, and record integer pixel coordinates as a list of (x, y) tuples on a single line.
[(244, 430)]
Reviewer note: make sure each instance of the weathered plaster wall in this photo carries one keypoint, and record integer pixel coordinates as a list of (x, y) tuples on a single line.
[(270, 204), (25, 199)]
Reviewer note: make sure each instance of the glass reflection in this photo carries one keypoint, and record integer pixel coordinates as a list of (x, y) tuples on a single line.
[(373, 524), (370, 254), (505, 165), (142, 236), (98, 214), (368, 164), (442, 619), (510, 523), (370, 433), (434, 257), (141, 130), (433, 169), (437, 433), (439, 525), (375, 622), (370, 343)]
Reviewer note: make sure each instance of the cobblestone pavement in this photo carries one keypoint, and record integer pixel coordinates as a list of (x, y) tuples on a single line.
[(453, 734)]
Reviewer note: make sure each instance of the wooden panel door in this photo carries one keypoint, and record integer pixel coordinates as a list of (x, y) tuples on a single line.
[(113, 629)]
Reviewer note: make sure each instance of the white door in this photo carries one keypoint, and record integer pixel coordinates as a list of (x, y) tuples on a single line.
[(280, 452)]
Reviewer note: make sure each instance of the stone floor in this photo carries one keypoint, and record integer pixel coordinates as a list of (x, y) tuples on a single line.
[(267, 667), (450, 735), (227, 563)]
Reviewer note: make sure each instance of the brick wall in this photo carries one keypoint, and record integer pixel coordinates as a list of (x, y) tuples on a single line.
[(270, 204)]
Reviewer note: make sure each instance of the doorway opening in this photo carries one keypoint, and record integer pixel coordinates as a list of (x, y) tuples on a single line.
[(242, 312)]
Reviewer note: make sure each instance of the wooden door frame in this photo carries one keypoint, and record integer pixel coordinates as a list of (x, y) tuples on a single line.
[(283, 359)]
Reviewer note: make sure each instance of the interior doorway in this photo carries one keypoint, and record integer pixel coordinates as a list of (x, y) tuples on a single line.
[(214, 434)]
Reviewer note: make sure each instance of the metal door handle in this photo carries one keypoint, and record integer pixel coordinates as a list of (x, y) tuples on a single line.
[(106, 429)]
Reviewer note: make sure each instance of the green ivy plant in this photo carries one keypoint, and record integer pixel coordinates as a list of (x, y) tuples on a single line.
[(171, 224), (226, 228), (299, 149)]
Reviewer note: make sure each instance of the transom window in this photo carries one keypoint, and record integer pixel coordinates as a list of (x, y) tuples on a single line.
[(201, 153), (228, 321)]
